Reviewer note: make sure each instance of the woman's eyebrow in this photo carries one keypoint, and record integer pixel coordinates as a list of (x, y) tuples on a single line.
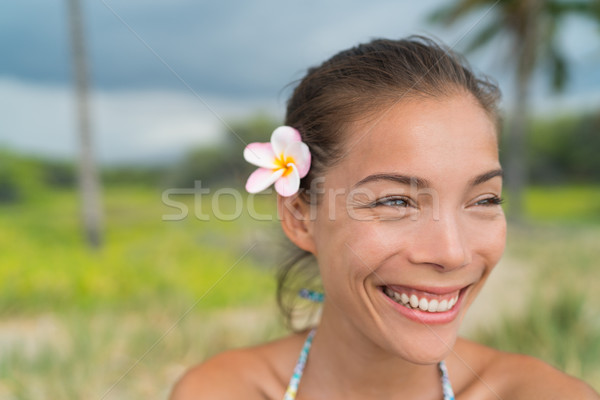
[(421, 183), (486, 176), (402, 179)]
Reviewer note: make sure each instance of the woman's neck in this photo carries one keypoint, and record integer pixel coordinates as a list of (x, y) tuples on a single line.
[(343, 361)]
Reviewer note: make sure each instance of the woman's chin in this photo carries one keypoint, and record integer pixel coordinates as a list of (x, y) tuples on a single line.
[(425, 345), (426, 352), (430, 355)]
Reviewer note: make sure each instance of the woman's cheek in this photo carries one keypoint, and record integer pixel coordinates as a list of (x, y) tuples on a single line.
[(371, 242), (489, 238)]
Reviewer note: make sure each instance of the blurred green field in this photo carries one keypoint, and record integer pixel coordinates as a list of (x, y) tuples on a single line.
[(559, 321), (568, 205), (46, 266), (125, 321)]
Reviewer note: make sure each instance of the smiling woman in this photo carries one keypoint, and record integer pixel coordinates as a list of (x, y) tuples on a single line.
[(401, 210)]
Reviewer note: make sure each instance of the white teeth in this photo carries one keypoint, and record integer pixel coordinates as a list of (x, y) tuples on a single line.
[(423, 304), (414, 301), (443, 306), (433, 306), (404, 298)]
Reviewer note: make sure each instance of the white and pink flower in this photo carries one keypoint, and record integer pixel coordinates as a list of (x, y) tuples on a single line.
[(283, 161)]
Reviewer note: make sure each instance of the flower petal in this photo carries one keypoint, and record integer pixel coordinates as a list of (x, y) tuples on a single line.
[(260, 154), (282, 137), (289, 184), (301, 154), (262, 178)]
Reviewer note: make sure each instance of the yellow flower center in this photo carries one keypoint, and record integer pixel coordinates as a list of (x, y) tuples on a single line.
[(283, 164)]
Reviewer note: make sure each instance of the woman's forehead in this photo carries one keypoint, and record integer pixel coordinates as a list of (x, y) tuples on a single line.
[(423, 136)]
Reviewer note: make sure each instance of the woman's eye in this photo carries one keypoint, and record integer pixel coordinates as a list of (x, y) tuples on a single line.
[(392, 202), (490, 201)]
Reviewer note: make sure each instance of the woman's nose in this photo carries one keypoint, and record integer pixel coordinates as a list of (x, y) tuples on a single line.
[(441, 242)]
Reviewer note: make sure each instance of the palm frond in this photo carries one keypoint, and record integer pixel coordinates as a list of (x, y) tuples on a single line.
[(558, 8), (450, 13), (485, 35), (551, 54), (559, 67)]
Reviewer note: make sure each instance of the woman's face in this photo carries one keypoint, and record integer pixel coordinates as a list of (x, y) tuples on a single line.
[(409, 226)]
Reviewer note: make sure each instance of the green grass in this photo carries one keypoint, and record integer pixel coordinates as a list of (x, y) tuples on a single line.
[(563, 330), (45, 265), (119, 355), (576, 204), (561, 323)]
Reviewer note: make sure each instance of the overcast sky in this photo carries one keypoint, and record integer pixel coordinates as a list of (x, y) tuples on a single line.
[(166, 71)]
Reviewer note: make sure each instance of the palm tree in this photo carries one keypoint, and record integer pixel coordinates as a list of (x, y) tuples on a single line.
[(89, 185), (531, 26)]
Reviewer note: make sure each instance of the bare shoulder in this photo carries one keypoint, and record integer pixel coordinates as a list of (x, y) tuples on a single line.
[(222, 376), (532, 378), (483, 372), (258, 372)]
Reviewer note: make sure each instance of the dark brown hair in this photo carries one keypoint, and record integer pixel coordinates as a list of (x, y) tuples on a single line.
[(353, 84)]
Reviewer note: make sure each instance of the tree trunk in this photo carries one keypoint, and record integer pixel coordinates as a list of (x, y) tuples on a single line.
[(516, 164), (89, 185)]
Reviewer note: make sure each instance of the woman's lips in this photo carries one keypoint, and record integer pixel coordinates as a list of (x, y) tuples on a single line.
[(430, 306)]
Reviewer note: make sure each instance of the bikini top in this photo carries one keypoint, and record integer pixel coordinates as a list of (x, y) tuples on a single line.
[(290, 393)]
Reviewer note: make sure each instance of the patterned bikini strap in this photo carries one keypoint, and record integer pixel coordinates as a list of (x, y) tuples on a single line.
[(446, 386), (290, 393)]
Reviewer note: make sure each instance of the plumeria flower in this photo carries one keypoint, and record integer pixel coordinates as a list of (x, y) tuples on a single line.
[(283, 161)]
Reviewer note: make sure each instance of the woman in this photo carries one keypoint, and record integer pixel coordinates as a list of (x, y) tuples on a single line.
[(396, 145)]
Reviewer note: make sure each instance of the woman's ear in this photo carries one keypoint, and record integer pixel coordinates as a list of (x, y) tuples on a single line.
[(295, 216)]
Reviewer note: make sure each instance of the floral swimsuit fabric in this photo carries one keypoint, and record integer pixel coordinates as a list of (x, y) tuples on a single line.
[(290, 393)]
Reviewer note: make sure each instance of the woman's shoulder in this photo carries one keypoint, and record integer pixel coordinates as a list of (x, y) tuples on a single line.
[(256, 372), (482, 372)]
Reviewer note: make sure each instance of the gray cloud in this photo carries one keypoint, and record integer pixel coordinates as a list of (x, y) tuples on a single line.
[(235, 54), (229, 48), (232, 47)]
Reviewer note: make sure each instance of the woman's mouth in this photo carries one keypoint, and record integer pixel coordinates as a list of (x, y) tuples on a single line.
[(426, 306), (428, 302)]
